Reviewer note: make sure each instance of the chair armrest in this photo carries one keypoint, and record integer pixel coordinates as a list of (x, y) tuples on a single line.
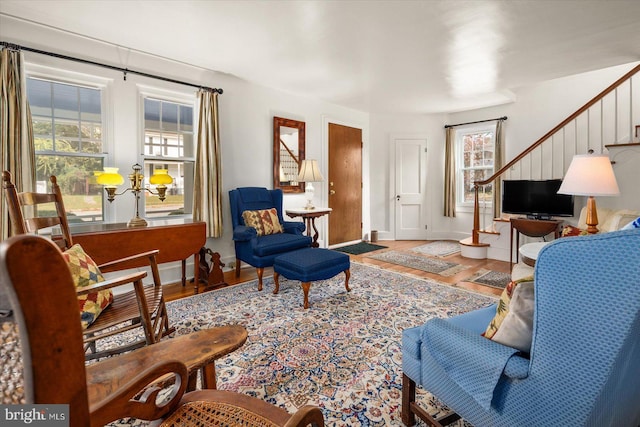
[(112, 283), (243, 233), (138, 397), (113, 265), (517, 367), (293, 227), (196, 350), (472, 361)]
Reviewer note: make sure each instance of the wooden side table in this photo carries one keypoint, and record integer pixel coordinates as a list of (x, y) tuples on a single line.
[(530, 251), (309, 216), (532, 228)]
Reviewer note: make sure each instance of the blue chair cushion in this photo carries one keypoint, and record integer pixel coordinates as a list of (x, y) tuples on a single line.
[(278, 243), (311, 264)]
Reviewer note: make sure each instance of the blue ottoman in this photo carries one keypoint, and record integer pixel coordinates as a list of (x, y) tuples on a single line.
[(310, 264)]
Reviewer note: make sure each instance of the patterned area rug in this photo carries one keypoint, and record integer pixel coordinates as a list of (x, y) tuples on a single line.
[(496, 279), (343, 354), (430, 265), (440, 248), (360, 248)]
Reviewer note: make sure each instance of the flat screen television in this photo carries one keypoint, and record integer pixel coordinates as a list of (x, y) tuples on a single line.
[(536, 199)]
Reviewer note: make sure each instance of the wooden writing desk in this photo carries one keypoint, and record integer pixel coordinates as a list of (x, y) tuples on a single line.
[(176, 239)]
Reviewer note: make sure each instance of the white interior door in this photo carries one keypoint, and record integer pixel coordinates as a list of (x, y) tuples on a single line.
[(410, 196)]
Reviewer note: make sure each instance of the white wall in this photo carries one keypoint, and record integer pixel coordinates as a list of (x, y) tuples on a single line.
[(246, 118), (537, 109)]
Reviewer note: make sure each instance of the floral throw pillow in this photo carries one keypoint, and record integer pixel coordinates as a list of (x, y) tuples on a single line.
[(513, 323), (570, 230), (85, 272), (265, 221)]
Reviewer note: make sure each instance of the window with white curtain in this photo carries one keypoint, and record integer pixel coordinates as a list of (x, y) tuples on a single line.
[(475, 148)]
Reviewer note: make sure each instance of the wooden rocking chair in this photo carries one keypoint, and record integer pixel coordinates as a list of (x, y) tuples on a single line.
[(143, 307), (55, 372)]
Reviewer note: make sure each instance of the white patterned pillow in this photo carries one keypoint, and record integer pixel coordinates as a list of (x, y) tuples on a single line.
[(633, 224)]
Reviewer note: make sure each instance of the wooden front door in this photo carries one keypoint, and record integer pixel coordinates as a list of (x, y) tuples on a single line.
[(345, 184)]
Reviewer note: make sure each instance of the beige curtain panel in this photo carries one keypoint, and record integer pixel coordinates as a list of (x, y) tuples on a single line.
[(207, 198), (498, 161), (450, 174), (17, 151)]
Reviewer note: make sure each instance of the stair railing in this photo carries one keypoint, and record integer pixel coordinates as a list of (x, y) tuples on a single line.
[(477, 184)]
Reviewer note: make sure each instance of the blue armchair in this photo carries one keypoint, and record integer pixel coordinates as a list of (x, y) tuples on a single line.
[(260, 251), (584, 365)]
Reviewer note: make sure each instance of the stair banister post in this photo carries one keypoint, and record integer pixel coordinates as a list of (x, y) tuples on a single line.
[(476, 215)]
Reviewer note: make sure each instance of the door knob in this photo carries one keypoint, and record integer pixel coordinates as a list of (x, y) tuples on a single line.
[(398, 197), (332, 192)]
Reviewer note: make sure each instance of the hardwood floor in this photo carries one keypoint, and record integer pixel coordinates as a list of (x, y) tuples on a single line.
[(176, 290)]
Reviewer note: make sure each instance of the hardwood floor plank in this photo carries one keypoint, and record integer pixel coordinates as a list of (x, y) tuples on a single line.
[(175, 291)]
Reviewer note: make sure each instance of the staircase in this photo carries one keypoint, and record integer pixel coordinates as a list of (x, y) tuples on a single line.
[(612, 115)]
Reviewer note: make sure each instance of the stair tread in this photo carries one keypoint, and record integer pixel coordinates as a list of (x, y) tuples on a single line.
[(469, 242)]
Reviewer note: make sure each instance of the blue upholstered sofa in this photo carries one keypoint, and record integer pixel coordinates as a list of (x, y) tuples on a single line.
[(584, 364), (260, 251)]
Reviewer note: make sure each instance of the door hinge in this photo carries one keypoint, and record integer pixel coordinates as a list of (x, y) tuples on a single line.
[(426, 226), (425, 149)]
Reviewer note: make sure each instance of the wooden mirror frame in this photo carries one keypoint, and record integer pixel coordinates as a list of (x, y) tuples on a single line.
[(279, 122)]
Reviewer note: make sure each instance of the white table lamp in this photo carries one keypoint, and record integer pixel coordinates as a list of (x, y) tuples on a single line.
[(590, 175), (309, 173)]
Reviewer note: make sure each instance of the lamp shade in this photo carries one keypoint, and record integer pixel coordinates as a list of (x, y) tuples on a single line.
[(310, 172), (160, 177), (590, 175), (109, 177)]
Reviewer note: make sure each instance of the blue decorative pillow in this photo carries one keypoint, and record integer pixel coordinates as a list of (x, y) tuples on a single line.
[(633, 224)]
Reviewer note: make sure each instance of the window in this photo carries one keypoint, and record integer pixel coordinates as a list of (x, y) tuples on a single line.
[(475, 156), (67, 127), (168, 144)]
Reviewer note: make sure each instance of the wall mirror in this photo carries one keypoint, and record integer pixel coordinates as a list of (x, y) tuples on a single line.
[(288, 152)]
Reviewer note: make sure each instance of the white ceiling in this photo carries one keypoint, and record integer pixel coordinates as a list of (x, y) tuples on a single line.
[(376, 56)]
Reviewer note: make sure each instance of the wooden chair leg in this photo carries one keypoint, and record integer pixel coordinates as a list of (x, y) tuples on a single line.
[(410, 408), (193, 380), (408, 397), (276, 280), (260, 271), (305, 288), (209, 376), (238, 267)]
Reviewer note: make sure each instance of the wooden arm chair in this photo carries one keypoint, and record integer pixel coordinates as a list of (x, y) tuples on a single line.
[(55, 371), (143, 307)]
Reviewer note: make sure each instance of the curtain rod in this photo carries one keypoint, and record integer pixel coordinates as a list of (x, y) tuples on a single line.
[(479, 121), (111, 67)]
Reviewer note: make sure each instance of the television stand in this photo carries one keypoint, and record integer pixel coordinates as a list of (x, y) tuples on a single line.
[(532, 228)]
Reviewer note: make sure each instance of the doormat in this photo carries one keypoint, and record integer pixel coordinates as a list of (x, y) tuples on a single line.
[(440, 248), (430, 265), (495, 279), (359, 248)]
